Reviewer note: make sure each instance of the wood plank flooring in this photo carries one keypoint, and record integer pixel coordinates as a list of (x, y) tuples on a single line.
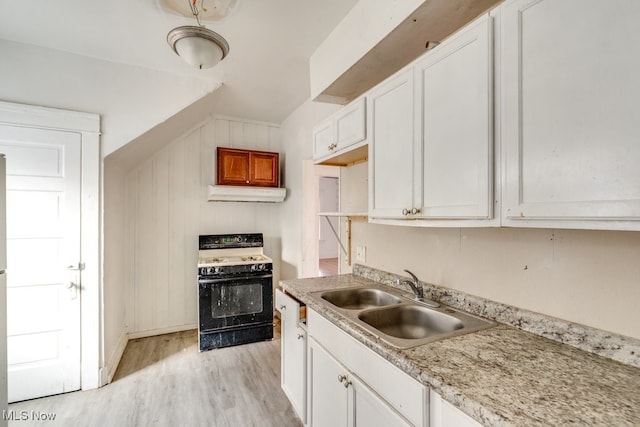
[(328, 266), (165, 381)]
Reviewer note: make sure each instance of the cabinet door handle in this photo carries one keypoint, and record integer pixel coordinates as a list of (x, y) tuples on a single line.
[(300, 336), (347, 383), (283, 307), (342, 378), (415, 211), (406, 212)]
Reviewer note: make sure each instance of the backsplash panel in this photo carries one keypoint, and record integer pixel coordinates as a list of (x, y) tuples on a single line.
[(613, 346)]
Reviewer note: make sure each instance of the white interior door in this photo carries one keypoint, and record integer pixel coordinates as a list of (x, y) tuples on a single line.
[(43, 260)]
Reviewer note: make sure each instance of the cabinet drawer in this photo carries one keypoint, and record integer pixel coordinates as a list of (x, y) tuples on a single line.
[(403, 393), (288, 306)]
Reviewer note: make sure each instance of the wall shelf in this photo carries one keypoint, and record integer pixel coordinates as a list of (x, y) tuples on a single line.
[(350, 216), (231, 193)]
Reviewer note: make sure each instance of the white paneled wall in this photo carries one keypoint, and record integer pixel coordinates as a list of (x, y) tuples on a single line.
[(167, 210)]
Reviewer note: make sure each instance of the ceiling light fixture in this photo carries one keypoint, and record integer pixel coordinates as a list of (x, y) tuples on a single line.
[(198, 45)]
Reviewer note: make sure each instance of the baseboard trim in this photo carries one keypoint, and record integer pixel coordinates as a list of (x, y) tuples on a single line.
[(114, 359), (162, 331)]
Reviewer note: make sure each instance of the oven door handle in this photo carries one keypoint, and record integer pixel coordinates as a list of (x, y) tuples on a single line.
[(230, 279)]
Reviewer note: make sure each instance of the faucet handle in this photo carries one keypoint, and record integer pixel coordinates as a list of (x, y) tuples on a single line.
[(413, 276)]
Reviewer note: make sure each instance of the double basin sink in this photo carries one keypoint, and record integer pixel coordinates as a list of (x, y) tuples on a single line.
[(400, 321)]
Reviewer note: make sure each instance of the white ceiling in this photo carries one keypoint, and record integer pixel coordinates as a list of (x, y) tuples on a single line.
[(266, 74)]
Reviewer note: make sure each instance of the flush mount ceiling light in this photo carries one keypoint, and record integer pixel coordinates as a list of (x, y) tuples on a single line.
[(214, 10), (198, 45)]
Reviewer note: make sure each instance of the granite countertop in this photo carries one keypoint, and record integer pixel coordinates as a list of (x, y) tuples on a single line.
[(502, 375)]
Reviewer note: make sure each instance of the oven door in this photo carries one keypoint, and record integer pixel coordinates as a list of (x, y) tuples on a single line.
[(229, 302)]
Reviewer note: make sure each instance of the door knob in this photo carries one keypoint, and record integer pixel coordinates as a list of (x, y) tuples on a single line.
[(73, 290)]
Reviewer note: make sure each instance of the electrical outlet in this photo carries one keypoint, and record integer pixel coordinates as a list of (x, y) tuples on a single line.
[(361, 253)]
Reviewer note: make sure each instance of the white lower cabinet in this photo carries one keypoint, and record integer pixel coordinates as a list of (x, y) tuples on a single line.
[(340, 398), (444, 414), (293, 345), (350, 385)]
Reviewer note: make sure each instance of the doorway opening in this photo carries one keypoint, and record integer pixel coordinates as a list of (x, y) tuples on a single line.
[(311, 220), (328, 245)]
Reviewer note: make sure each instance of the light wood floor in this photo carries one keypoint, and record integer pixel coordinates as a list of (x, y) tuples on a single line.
[(328, 266), (165, 381)]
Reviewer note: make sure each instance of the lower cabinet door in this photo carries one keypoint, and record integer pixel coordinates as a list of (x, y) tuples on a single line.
[(444, 414), (328, 397), (293, 353), (369, 410), (339, 398)]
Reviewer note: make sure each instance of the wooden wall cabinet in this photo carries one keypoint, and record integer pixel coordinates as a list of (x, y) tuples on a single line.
[(247, 168)]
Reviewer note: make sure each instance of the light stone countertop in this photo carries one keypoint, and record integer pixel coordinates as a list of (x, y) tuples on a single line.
[(502, 375)]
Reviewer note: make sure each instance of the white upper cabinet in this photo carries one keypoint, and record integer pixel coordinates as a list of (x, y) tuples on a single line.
[(392, 146), (455, 90), (340, 133), (431, 139), (570, 120)]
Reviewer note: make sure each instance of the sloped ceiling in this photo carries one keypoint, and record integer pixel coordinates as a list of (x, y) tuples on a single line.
[(265, 75)]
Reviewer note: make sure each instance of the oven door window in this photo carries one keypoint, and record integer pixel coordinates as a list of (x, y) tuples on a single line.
[(231, 302), (236, 300)]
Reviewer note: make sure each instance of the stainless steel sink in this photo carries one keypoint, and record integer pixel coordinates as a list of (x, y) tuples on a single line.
[(398, 320), (360, 298), (411, 321)]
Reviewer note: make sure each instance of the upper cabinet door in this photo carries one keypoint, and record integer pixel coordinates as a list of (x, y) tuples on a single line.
[(350, 124), (264, 169), (324, 139), (392, 147), (339, 135), (570, 120), (233, 167), (455, 90)]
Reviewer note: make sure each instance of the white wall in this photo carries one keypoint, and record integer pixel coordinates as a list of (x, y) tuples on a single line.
[(114, 261), (587, 277), (130, 100), (166, 211)]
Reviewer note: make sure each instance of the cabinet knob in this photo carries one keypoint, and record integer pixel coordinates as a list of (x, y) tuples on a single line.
[(282, 307), (342, 378), (347, 383), (300, 336), (406, 212), (415, 211)]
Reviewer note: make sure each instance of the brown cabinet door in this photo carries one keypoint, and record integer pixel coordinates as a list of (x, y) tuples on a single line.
[(233, 167), (263, 169), (246, 167)]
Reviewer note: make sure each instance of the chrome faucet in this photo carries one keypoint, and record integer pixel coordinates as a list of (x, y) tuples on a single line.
[(418, 292)]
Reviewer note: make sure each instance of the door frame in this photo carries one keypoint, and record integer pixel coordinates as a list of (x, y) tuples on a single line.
[(88, 126), (311, 174)]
